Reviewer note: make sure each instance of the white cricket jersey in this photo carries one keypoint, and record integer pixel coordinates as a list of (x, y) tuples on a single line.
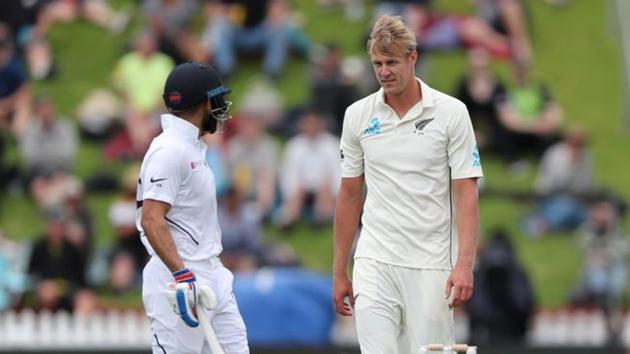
[(409, 215), (175, 171)]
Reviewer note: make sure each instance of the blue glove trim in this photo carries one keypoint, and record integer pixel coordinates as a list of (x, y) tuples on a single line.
[(183, 309)]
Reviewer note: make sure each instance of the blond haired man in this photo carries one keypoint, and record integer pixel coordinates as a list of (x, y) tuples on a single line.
[(414, 148)]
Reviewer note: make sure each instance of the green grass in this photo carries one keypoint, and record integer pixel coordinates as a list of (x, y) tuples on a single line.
[(576, 54)]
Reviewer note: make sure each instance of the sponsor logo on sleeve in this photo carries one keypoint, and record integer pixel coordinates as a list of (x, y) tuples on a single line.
[(476, 157)]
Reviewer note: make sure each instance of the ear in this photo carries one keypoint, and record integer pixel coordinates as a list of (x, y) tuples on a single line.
[(413, 56)]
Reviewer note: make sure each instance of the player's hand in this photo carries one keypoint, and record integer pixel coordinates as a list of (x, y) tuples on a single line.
[(343, 295), (459, 286), (182, 295)]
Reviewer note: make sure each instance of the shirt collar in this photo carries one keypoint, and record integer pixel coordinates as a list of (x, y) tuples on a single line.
[(427, 95), (179, 126)]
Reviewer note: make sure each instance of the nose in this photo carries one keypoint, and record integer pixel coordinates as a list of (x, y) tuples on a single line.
[(383, 71)]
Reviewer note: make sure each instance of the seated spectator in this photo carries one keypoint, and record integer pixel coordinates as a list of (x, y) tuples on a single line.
[(32, 20), (531, 118), (79, 227), (509, 18), (9, 170), (123, 275), (56, 266), (332, 91), (100, 114), (503, 303), (50, 144), (567, 166), (440, 32), (241, 234), (565, 176), (603, 280), (216, 158), (354, 10), (98, 12), (310, 173), (481, 92), (170, 20), (15, 96), (252, 157), (139, 77), (13, 280), (262, 25)]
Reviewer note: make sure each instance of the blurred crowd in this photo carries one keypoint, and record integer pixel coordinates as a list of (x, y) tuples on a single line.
[(279, 165)]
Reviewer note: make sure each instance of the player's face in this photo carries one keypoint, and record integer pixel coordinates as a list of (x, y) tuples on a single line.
[(394, 72)]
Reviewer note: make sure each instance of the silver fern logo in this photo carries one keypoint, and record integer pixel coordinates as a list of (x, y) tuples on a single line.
[(419, 125)]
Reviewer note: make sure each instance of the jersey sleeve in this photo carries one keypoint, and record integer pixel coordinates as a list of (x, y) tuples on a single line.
[(463, 155), (163, 173), (350, 151)]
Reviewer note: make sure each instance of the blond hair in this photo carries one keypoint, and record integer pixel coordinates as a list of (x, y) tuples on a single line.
[(391, 36)]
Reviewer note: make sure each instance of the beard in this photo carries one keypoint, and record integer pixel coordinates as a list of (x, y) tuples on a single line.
[(209, 123)]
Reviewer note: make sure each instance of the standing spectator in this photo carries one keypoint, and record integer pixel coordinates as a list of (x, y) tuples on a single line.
[(310, 172), (503, 304)]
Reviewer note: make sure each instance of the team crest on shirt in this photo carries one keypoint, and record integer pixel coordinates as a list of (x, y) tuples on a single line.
[(420, 124), (374, 128)]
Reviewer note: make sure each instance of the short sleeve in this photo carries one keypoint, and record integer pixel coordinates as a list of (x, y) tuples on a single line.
[(350, 150), (163, 174), (463, 155)]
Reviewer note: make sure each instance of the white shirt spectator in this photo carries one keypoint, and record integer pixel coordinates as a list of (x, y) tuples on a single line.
[(562, 169), (310, 163)]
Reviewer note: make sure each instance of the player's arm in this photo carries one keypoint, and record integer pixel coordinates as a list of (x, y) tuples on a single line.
[(182, 295), (347, 212), (461, 279), (154, 225)]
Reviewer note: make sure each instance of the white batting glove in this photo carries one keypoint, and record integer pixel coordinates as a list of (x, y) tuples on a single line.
[(185, 295)]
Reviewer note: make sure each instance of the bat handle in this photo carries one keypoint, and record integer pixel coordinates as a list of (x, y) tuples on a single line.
[(211, 338)]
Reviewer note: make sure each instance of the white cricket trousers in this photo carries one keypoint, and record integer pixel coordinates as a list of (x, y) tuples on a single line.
[(170, 334), (399, 309)]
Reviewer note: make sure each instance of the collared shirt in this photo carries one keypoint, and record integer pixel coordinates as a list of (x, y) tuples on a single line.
[(175, 171), (408, 217)]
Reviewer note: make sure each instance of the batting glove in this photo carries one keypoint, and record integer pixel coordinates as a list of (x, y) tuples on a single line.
[(182, 295)]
